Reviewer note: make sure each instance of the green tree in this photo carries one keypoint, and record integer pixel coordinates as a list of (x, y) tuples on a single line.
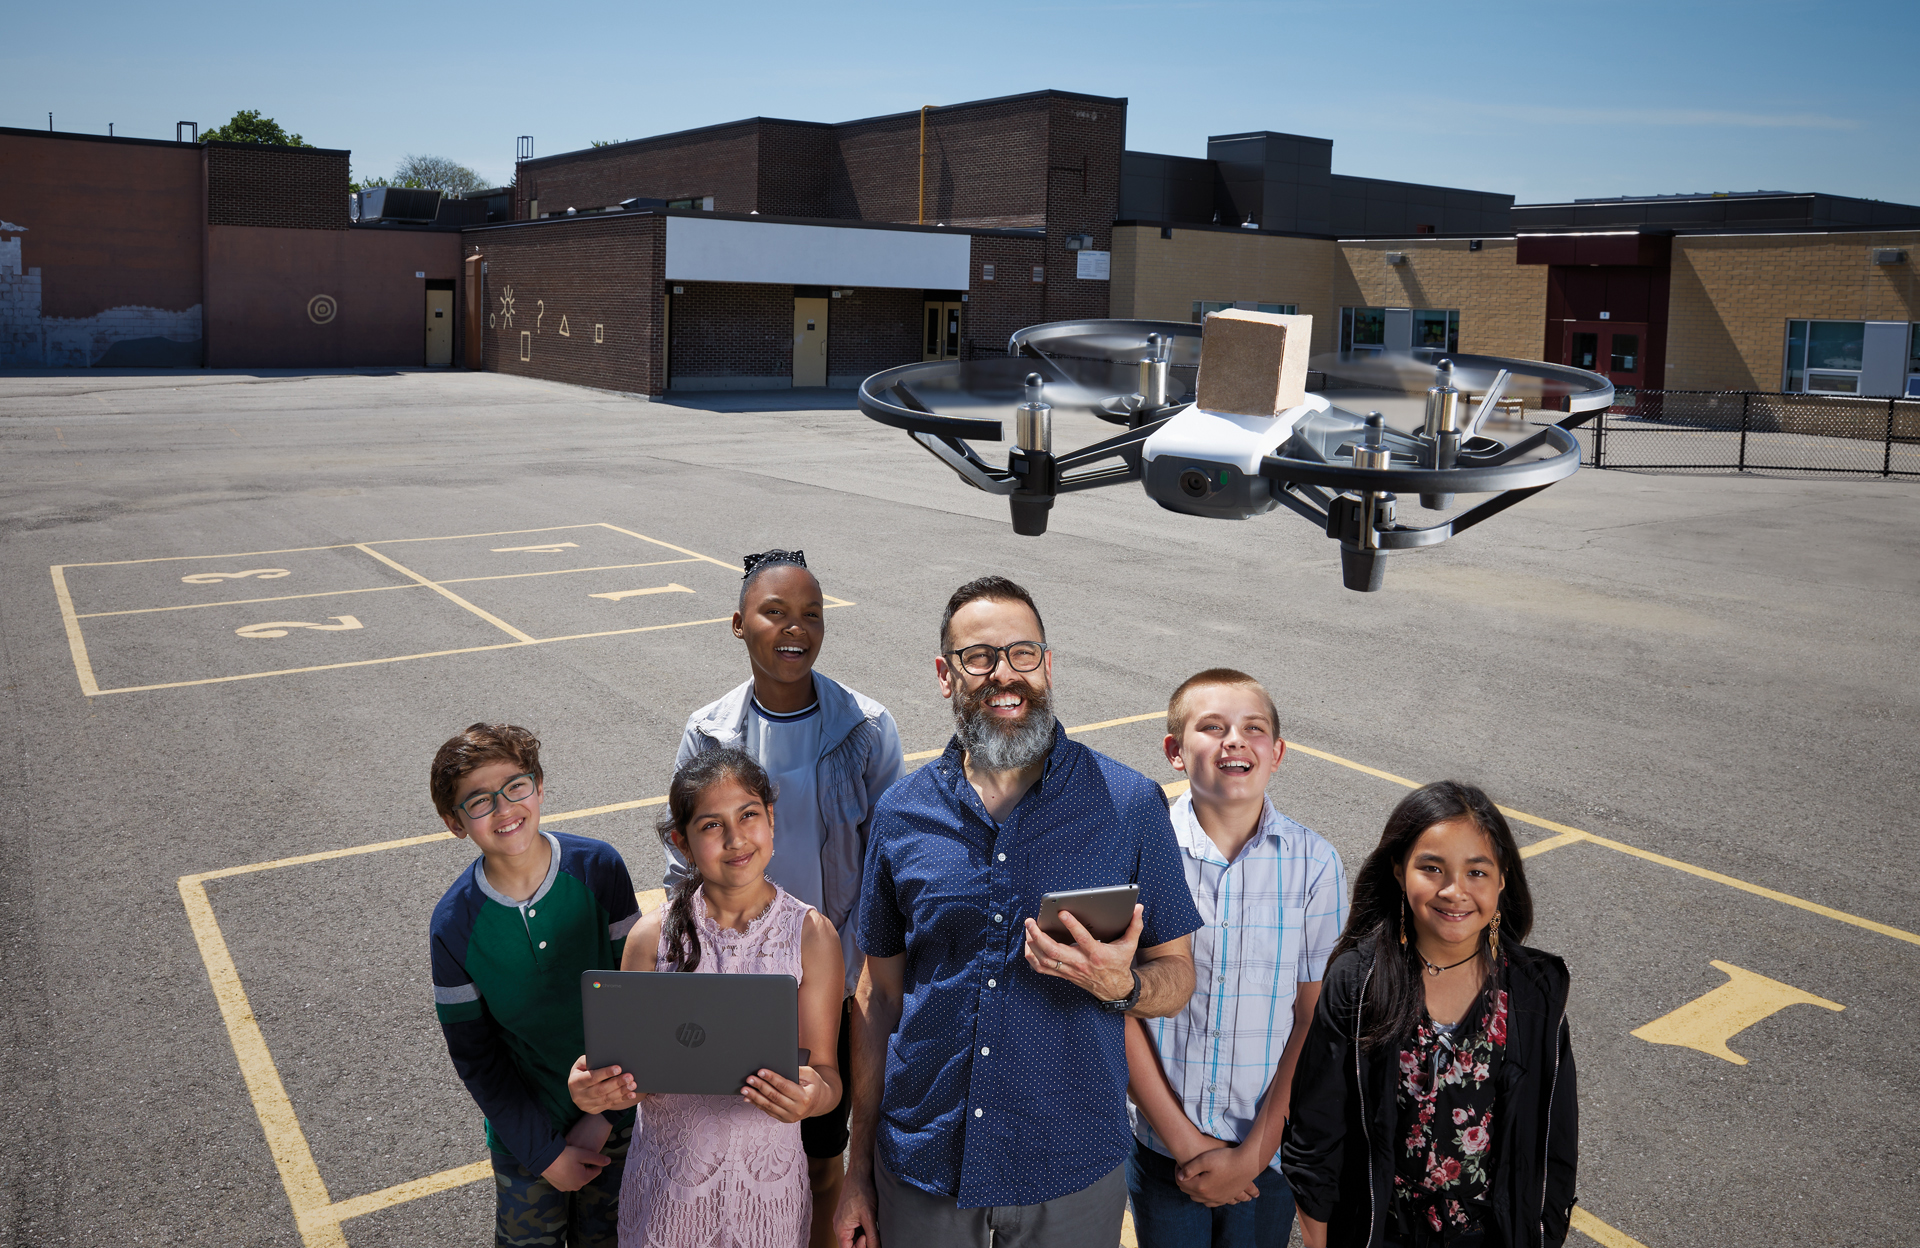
[(437, 173), (248, 126)]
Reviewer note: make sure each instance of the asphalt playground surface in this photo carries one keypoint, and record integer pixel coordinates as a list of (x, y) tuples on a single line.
[(1705, 672)]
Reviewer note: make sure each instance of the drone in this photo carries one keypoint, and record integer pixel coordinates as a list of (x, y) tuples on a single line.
[(1340, 469)]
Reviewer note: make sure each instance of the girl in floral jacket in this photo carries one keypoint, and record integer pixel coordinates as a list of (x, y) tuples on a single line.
[(1435, 1101)]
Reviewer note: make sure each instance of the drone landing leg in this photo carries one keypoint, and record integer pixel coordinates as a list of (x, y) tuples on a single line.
[(1363, 570)]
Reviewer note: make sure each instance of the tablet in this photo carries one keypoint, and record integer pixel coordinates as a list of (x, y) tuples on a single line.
[(675, 1031), (1104, 912)]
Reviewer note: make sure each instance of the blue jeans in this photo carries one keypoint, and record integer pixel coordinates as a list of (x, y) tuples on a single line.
[(1166, 1217)]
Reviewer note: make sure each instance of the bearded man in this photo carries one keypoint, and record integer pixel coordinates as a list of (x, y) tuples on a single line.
[(989, 1061)]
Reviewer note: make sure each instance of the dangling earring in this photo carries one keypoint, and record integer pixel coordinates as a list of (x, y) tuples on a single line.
[(1403, 922), (1493, 936)]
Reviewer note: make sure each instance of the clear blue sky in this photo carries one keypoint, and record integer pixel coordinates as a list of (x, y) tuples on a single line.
[(1545, 100)]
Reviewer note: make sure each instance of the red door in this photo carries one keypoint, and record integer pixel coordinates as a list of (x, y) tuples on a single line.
[(1614, 349)]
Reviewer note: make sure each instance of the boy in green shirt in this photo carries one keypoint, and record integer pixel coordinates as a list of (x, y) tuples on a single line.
[(509, 941)]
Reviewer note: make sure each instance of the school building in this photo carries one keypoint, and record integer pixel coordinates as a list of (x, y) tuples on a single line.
[(771, 253)]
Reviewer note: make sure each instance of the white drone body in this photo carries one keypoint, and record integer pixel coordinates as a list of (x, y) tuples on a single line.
[(1208, 463)]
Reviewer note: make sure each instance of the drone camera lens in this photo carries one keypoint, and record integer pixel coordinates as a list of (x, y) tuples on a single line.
[(1193, 483)]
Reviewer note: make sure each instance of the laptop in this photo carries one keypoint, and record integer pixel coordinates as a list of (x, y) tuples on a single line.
[(692, 1033)]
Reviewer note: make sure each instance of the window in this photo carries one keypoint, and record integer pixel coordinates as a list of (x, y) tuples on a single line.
[(1823, 357), (1363, 329), (1368, 329), (1913, 360), (1434, 328), (1203, 306)]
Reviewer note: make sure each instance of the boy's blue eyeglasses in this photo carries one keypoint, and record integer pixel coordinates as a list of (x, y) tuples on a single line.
[(518, 789)]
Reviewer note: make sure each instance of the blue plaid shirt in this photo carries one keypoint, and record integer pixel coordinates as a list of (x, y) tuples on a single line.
[(1004, 1086), (1272, 917)]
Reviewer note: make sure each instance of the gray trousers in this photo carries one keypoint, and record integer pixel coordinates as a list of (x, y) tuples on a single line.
[(911, 1218)]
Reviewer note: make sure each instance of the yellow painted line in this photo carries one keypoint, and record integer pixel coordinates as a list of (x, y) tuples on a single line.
[(449, 595), (306, 1190), (1347, 762), (565, 815), (318, 667), (917, 755), (238, 554), (1706, 1023), (77, 644), (1552, 842), (461, 537), (621, 595), (322, 856), (1567, 835), (608, 567), (1600, 1233), (375, 589), (239, 602), (1115, 723), (400, 1193), (1785, 899), (670, 546), (1174, 788)]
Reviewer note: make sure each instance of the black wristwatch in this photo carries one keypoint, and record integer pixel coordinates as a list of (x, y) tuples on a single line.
[(1127, 1002)]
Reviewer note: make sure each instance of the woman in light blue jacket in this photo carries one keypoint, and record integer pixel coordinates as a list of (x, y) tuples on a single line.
[(831, 752)]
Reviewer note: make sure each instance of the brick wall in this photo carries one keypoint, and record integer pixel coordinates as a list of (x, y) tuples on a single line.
[(1503, 305), (985, 165), (721, 161), (1012, 300), (577, 300), (1732, 297), (731, 330), (1159, 278), (299, 188), (1084, 144), (795, 172), (869, 330)]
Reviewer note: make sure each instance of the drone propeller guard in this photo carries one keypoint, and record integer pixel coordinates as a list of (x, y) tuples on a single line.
[(1341, 469)]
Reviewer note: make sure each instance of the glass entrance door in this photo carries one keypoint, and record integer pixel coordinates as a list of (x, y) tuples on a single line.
[(943, 331), (1614, 349)]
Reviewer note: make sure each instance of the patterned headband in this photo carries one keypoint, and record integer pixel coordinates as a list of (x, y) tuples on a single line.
[(771, 558)]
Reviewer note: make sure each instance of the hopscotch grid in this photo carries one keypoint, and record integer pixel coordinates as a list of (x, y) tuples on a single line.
[(90, 687), (319, 1218), (375, 589)]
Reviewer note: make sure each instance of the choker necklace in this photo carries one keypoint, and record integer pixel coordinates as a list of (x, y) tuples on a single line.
[(1433, 969)]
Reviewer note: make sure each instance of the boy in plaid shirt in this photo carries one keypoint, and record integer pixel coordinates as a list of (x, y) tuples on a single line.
[(1210, 1085)]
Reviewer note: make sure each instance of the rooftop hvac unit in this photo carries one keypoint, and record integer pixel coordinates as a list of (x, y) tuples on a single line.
[(1888, 255), (399, 203)]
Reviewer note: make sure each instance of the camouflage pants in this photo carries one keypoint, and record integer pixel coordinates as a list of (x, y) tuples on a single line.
[(532, 1213)]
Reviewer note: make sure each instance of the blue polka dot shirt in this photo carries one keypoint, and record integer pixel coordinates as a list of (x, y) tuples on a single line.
[(1004, 1086)]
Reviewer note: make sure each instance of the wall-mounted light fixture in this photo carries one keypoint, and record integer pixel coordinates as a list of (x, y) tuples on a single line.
[(1079, 242), (1888, 255), (1473, 244), (1396, 257)]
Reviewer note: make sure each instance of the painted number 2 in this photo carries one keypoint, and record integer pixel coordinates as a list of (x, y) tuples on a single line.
[(214, 578), (278, 628)]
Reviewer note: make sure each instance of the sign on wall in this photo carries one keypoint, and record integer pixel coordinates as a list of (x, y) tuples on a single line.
[(1095, 266)]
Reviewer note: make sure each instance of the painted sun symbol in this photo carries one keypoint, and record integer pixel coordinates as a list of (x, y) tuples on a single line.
[(506, 307)]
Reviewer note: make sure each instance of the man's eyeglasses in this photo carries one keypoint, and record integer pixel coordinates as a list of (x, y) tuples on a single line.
[(518, 789), (1022, 656)]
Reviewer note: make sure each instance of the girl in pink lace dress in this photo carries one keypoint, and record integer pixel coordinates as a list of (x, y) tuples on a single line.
[(728, 1171)]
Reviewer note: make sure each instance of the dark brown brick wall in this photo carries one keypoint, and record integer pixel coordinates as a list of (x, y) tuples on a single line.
[(874, 329), (795, 173), (732, 329), (721, 161), (1083, 197), (986, 165), (1012, 300), (299, 188), (578, 275)]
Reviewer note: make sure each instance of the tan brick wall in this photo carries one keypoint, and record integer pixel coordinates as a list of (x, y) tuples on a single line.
[(1733, 295), (1159, 278), (1503, 305)]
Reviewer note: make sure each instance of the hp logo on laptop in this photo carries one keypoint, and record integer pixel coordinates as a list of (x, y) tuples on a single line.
[(693, 1035)]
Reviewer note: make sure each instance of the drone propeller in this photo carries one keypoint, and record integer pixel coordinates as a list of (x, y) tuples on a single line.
[(1340, 469)]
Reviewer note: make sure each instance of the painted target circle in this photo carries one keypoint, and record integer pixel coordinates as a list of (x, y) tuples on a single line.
[(320, 309)]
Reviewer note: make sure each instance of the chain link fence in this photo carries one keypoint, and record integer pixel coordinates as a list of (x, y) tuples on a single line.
[(1753, 431)]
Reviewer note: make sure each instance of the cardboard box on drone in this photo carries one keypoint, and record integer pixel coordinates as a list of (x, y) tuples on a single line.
[(1253, 363)]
